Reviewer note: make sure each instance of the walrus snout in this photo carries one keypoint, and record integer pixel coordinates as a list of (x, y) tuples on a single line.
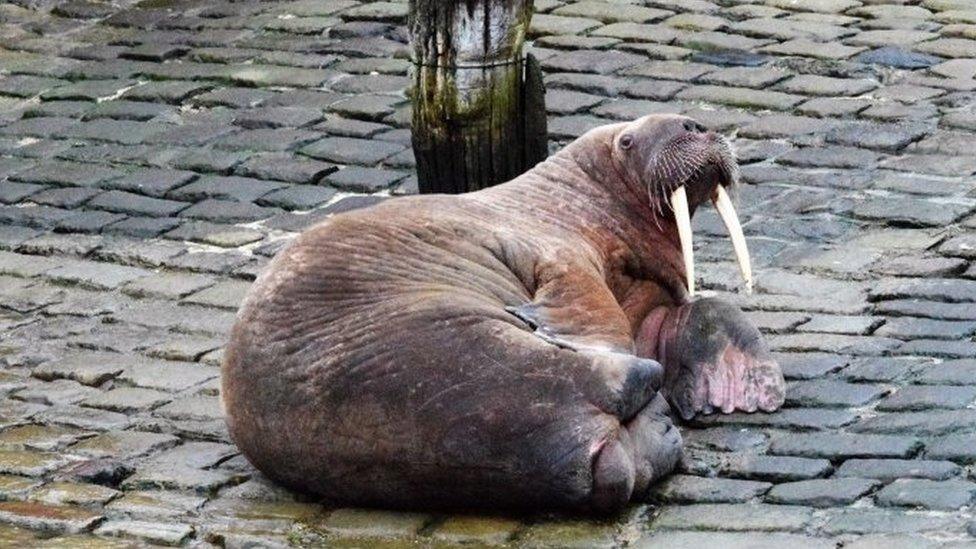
[(698, 159), (716, 169)]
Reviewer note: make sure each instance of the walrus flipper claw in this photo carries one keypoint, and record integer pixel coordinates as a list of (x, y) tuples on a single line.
[(529, 314), (525, 313)]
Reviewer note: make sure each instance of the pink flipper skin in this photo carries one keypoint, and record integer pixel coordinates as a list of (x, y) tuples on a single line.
[(714, 359)]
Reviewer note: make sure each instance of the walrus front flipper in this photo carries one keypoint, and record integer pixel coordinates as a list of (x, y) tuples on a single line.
[(714, 359), (573, 308)]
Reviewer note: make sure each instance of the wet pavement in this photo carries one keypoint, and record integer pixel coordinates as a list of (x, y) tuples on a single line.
[(154, 155)]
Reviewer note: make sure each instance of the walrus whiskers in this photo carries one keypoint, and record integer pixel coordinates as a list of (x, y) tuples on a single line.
[(686, 168)]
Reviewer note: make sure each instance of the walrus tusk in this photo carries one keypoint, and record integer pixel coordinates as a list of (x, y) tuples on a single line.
[(727, 212), (679, 204)]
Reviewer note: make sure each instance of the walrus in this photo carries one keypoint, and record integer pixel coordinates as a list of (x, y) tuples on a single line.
[(519, 347)]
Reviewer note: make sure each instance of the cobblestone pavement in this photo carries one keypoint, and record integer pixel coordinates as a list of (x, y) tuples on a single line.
[(156, 154)]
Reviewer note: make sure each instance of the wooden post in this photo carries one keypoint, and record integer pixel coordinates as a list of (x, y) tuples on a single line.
[(478, 105)]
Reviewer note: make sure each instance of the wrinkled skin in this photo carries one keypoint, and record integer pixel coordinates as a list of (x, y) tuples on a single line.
[(482, 350), (716, 359)]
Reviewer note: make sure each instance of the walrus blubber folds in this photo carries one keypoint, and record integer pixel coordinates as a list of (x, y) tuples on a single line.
[(517, 347)]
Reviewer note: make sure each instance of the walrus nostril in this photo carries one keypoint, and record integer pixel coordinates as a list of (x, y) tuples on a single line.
[(613, 477), (694, 127)]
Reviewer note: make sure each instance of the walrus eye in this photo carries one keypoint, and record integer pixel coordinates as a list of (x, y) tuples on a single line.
[(626, 141)]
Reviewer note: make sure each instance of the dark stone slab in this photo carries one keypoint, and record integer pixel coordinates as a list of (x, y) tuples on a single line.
[(42, 217), (945, 495), (367, 107), (208, 160), (11, 237), (277, 117), (939, 289), (692, 489), (226, 211), (595, 61), (773, 468), (241, 189), (65, 197), (957, 448), (38, 127), (350, 203), (842, 445), (892, 56), (68, 174), (237, 98), (189, 135), (285, 167), (939, 348), (809, 365), (155, 52), (60, 244), (22, 85), (142, 227), (215, 234), (346, 127), (893, 469), (833, 492), (87, 90), (929, 309), (737, 58), (127, 132), (588, 83), (883, 369), (829, 157), (11, 192), (346, 150), (929, 423), (928, 397), (266, 139), (832, 393), (137, 252), (948, 372), (359, 179), (932, 267), (886, 137), (801, 419), (298, 197), (127, 110), (154, 182), (172, 91), (134, 204), (884, 521)]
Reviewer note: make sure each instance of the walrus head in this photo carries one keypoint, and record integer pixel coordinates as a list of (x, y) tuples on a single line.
[(680, 164)]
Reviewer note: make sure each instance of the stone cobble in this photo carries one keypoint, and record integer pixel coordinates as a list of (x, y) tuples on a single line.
[(154, 154)]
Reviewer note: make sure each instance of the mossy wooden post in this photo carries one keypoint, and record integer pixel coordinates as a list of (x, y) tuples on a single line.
[(478, 106)]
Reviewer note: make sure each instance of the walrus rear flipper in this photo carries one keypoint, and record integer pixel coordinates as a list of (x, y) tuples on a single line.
[(645, 449), (613, 419)]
